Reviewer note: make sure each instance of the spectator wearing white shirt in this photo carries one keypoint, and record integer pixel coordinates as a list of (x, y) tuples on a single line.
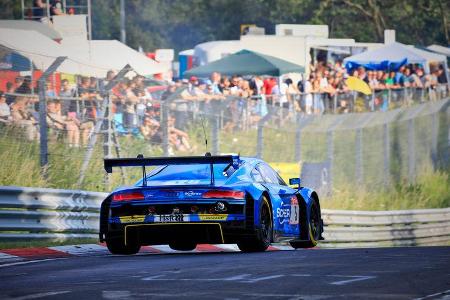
[(5, 111)]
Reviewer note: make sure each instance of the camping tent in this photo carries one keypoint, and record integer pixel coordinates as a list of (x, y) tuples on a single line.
[(429, 56), (42, 52), (42, 28), (391, 56), (247, 62), (440, 49), (115, 55)]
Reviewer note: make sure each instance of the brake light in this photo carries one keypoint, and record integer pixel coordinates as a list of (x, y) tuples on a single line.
[(224, 194), (128, 196)]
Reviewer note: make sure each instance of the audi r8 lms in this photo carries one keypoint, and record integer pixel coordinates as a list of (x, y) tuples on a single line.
[(185, 201)]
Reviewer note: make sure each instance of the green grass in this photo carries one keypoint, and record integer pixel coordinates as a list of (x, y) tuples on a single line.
[(431, 190), (20, 165), (45, 243)]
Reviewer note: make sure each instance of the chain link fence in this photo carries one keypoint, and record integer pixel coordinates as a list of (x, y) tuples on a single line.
[(342, 139)]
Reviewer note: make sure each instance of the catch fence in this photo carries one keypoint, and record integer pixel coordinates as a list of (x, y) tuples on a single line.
[(337, 140)]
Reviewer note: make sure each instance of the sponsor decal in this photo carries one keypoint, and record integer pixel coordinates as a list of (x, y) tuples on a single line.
[(283, 212), (295, 211), (211, 217), (132, 219), (283, 215), (192, 194)]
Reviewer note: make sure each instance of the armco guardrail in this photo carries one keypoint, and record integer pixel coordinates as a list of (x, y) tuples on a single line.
[(38, 213), (386, 228)]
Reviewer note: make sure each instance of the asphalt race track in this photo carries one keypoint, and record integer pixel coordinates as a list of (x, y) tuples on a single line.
[(382, 273)]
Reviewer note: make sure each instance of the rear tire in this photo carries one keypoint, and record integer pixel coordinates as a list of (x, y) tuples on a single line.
[(117, 245), (314, 229), (183, 246), (263, 236)]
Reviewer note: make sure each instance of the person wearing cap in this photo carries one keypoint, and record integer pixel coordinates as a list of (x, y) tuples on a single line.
[(193, 80)]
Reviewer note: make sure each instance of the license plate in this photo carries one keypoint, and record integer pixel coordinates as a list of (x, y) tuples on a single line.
[(170, 218)]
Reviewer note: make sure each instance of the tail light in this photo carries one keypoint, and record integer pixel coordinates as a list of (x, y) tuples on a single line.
[(128, 196), (224, 194)]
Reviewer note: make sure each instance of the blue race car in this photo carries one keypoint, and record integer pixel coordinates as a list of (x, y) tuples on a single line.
[(185, 201)]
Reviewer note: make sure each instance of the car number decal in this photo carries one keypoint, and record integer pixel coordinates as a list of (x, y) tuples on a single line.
[(295, 211)]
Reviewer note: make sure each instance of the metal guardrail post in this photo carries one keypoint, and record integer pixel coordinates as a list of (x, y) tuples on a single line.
[(43, 111)]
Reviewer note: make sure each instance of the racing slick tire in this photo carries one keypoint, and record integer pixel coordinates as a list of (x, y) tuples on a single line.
[(117, 246), (183, 246), (315, 229), (263, 236)]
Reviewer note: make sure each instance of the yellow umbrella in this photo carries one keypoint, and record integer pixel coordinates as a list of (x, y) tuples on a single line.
[(356, 84)]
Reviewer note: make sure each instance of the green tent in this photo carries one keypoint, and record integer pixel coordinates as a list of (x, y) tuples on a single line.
[(246, 62)]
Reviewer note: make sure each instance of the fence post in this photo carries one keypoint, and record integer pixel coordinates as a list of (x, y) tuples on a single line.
[(99, 124), (214, 121), (107, 134), (372, 104), (330, 149), (164, 126), (434, 137), (298, 134), (359, 172), (411, 152), (389, 98), (386, 155), (259, 137), (353, 101), (335, 103), (43, 112)]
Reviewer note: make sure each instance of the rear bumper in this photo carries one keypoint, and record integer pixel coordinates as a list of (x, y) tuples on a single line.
[(166, 233)]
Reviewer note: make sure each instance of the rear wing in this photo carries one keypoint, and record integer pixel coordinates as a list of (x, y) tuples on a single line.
[(162, 161), (141, 161)]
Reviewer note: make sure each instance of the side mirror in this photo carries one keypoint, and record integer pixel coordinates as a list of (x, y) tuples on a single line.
[(294, 181)]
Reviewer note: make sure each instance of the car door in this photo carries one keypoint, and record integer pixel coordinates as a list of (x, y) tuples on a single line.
[(284, 202)]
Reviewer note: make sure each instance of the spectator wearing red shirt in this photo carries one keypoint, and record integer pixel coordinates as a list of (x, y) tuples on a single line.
[(269, 84)]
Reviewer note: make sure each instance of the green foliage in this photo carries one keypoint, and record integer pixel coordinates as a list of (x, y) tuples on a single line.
[(183, 24)]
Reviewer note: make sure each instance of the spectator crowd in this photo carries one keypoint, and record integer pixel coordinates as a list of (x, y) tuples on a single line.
[(239, 101)]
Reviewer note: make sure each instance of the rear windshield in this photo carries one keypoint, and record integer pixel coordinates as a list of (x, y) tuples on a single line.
[(187, 174)]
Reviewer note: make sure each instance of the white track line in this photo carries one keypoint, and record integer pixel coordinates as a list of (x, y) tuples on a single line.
[(39, 295), (29, 262)]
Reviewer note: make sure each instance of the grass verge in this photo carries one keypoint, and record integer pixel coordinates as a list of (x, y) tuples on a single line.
[(44, 243)]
